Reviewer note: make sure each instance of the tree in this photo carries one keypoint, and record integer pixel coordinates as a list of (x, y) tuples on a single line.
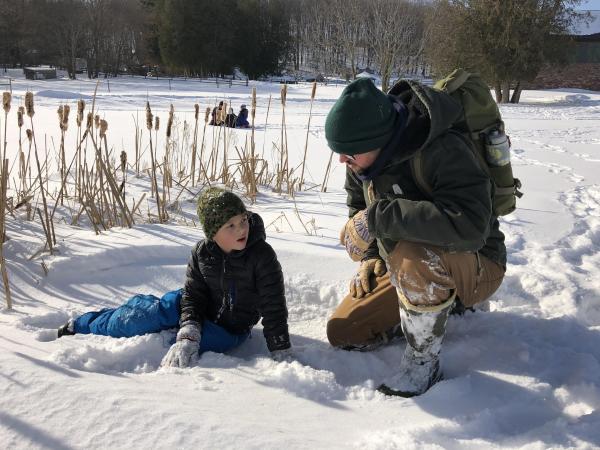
[(395, 31), (68, 16), (262, 36), (12, 31), (507, 41)]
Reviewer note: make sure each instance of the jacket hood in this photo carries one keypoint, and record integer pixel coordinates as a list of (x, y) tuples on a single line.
[(431, 113)]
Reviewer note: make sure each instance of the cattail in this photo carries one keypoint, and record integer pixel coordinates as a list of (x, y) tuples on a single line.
[(60, 117), (196, 109), (29, 134), (170, 121), (148, 116), (29, 104), (20, 113), (156, 123), (90, 121), (314, 90), (206, 115), (283, 94), (103, 128), (65, 117), (253, 110), (97, 121), (80, 109), (123, 160), (6, 97)]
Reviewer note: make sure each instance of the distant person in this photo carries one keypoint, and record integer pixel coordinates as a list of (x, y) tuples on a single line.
[(216, 115), (242, 118), (233, 279), (230, 119)]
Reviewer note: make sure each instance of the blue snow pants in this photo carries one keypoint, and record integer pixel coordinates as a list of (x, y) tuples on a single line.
[(143, 314)]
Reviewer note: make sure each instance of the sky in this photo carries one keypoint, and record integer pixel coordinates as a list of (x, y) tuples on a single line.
[(590, 4)]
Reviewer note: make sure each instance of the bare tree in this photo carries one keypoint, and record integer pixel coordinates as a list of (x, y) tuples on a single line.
[(395, 32), (68, 16), (349, 21)]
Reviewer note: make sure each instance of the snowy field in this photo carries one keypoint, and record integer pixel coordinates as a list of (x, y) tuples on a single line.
[(525, 374)]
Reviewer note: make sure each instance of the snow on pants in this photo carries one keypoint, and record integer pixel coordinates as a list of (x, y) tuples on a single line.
[(425, 275), (143, 314)]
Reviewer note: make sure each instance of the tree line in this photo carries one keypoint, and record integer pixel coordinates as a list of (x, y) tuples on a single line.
[(507, 41), (107, 34)]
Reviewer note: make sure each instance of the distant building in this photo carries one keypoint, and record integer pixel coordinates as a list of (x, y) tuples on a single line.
[(583, 72), (39, 73)]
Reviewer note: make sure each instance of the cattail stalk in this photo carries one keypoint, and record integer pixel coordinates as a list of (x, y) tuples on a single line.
[(262, 153), (194, 144), (6, 99), (49, 236), (253, 182), (63, 123), (123, 158), (283, 158), (168, 150), (126, 215), (22, 168), (29, 108), (80, 112), (203, 167), (312, 98), (153, 161), (326, 177)]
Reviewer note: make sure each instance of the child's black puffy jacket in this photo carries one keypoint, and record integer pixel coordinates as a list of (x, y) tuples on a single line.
[(235, 290)]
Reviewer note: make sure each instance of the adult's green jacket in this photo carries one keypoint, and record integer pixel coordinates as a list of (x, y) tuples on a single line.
[(458, 215)]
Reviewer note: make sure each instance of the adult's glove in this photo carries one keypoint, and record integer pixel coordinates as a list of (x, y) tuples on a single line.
[(184, 352), (360, 285), (355, 236)]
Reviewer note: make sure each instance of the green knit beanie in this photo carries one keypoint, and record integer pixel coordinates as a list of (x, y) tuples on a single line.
[(215, 207), (361, 120)]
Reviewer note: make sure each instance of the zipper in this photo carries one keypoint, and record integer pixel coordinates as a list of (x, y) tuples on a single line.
[(224, 300)]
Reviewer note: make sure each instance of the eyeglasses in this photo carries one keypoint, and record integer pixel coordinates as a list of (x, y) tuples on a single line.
[(350, 157)]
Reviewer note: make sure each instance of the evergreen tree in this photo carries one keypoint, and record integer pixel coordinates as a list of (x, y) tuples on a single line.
[(262, 38), (507, 41)]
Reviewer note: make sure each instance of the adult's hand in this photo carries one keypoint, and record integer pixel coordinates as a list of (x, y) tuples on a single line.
[(355, 236), (360, 285)]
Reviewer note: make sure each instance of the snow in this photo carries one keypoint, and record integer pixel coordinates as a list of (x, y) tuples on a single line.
[(525, 374)]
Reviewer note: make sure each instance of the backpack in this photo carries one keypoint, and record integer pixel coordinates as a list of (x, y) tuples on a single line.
[(482, 128)]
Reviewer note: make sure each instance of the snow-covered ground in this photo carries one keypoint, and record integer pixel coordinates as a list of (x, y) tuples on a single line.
[(525, 374)]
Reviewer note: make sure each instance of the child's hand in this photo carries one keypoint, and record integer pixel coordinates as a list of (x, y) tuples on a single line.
[(283, 355), (184, 352)]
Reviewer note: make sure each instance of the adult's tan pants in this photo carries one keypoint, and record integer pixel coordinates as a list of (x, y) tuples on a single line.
[(426, 276)]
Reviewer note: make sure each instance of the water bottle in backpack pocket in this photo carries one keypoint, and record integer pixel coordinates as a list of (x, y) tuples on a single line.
[(497, 148), (497, 156)]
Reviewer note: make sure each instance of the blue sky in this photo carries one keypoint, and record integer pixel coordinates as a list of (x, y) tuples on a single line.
[(590, 4)]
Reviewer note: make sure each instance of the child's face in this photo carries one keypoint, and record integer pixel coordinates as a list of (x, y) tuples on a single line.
[(233, 235)]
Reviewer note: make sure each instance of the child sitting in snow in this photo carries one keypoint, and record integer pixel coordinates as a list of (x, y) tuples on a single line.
[(230, 119), (233, 278), (242, 118)]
